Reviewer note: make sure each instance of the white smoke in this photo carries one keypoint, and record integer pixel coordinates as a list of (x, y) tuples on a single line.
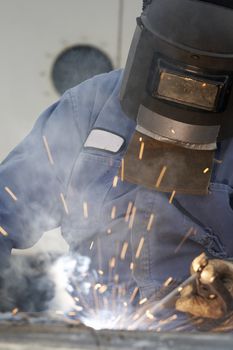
[(65, 269)]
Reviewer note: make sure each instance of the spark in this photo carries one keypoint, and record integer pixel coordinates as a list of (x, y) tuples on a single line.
[(128, 211), (99, 254), (133, 296), (136, 316), (103, 289), (150, 222), (142, 301), (85, 210), (212, 296), (140, 139), (204, 85), (168, 320), (116, 278), (91, 246), (217, 161), (115, 181), (13, 196), (124, 250), (168, 281), (15, 311), (122, 169), (101, 272), (112, 262), (64, 203), (131, 266), (161, 175), (206, 170), (150, 315), (141, 150), (109, 231), (125, 304), (97, 286), (48, 150), (140, 246), (172, 197), (132, 217), (113, 213), (3, 232), (188, 234)]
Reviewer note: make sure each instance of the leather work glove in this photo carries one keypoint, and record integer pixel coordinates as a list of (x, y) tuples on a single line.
[(211, 293)]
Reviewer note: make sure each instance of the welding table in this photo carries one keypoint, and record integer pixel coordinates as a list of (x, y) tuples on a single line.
[(63, 337)]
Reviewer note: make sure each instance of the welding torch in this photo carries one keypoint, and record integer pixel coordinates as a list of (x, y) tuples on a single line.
[(208, 286)]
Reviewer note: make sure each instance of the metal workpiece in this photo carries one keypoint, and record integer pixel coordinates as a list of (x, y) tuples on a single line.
[(64, 337)]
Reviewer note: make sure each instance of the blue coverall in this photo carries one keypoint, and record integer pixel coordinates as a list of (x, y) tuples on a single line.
[(85, 176)]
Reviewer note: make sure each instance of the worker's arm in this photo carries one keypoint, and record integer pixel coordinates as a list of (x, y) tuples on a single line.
[(34, 175), (37, 171)]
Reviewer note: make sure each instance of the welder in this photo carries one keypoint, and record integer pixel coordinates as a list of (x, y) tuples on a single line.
[(142, 156)]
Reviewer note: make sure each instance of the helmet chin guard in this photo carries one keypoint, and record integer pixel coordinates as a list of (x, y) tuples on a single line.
[(166, 167)]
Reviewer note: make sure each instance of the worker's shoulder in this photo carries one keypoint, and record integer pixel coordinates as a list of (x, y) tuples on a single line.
[(102, 84), (93, 96)]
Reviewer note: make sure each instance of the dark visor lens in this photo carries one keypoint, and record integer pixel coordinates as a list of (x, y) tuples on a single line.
[(188, 91)]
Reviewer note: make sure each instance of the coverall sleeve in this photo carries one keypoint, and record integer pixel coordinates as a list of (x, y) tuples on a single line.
[(34, 177)]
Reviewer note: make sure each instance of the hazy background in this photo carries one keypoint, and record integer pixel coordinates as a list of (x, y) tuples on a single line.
[(33, 33)]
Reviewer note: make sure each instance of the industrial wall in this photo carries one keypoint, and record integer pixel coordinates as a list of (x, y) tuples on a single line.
[(34, 33)]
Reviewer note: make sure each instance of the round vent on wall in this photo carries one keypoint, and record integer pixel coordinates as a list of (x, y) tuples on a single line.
[(77, 64)]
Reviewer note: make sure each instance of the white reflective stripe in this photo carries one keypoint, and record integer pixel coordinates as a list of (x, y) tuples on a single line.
[(105, 140)]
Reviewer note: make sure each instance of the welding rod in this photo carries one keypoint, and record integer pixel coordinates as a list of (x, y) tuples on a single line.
[(160, 304), (173, 294)]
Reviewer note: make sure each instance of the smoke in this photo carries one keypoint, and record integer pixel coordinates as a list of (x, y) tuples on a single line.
[(43, 282), (65, 285), (26, 285), (79, 295), (67, 272)]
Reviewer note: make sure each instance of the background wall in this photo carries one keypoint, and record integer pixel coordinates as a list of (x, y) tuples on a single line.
[(32, 35)]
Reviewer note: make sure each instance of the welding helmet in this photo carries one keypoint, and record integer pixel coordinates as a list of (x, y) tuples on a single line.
[(177, 86)]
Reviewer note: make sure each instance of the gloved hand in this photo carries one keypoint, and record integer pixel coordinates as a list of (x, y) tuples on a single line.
[(211, 294)]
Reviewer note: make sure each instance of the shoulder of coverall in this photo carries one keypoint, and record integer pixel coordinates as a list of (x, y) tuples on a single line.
[(68, 123), (90, 97)]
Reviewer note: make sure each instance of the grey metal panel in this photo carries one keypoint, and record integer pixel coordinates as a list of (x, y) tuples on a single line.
[(64, 337)]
